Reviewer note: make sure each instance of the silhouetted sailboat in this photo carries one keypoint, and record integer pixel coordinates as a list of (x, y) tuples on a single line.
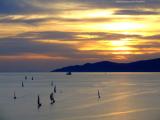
[(52, 98), (14, 96), (32, 78), (25, 77), (99, 96), (22, 84), (69, 73), (55, 89), (38, 102)]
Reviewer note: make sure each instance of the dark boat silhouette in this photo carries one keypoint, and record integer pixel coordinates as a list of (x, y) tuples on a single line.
[(25, 77), (55, 89), (32, 78), (69, 73), (99, 96), (22, 84), (14, 96), (52, 98), (38, 102)]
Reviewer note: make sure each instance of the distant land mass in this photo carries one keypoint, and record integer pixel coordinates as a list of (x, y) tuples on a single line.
[(106, 66)]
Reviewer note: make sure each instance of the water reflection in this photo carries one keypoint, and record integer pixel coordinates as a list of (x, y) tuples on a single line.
[(123, 96)]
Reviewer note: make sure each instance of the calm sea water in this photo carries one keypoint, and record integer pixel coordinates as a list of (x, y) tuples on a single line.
[(124, 96)]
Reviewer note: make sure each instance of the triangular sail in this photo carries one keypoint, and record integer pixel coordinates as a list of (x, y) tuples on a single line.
[(55, 89), (14, 95), (99, 94), (22, 84), (52, 98), (38, 101)]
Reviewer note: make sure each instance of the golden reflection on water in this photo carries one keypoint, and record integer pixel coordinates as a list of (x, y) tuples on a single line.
[(115, 114), (120, 101), (115, 99)]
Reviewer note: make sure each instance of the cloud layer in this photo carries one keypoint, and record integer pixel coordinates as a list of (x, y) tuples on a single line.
[(48, 34)]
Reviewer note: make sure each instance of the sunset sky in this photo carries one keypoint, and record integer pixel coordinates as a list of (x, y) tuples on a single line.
[(41, 35)]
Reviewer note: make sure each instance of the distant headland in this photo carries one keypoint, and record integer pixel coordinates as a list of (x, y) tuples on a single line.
[(107, 66)]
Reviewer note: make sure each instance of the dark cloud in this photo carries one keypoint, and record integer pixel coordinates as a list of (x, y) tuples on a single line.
[(38, 21), (42, 6), (14, 7), (85, 20), (35, 21), (136, 12), (55, 35), (153, 37), (17, 46), (115, 4), (18, 7), (76, 36)]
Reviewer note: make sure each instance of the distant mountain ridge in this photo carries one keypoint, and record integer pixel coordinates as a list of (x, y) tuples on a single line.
[(107, 66)]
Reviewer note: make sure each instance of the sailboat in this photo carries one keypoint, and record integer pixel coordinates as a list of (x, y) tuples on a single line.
[(32, 78), (69, 73), (14, 96), (55, 89), (25, 77), (22, 84), (99, 96), (38, 102), (52, 98)]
